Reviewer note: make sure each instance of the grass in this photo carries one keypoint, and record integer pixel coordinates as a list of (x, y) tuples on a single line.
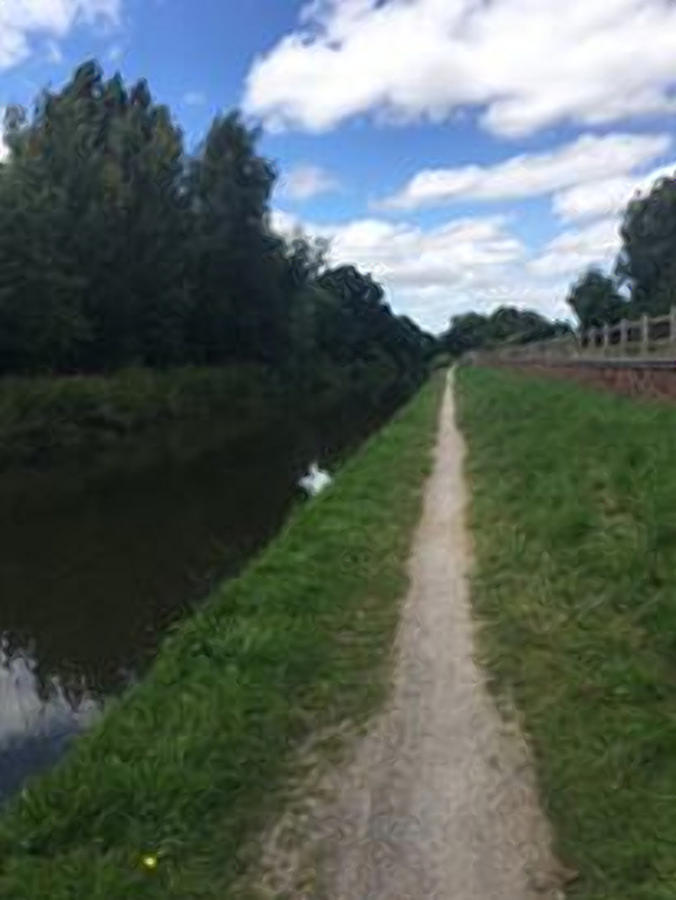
[(188, 765), (574, 519)]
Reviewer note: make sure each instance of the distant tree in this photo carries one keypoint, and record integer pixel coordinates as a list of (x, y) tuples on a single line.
[(595, 300), (646, 259), (466, 332), (471, 331), (521, 326)]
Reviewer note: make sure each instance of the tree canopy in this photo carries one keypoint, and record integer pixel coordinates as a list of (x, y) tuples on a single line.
[(644, 277), (643, 281), (118, 248), (473, 331), (595, 300)]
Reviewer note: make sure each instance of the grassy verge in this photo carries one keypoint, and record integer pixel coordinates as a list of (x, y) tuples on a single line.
[(574, 518), (186, 766)]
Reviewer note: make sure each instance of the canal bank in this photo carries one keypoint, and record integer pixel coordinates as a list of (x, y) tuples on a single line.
[(299, 642), (105, 547)]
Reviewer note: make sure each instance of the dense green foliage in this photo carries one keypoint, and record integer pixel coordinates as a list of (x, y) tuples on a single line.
[(118, 249), (595, 300), (647, 257), (644, 280), (473, 331), (574, 519), (188, 764)]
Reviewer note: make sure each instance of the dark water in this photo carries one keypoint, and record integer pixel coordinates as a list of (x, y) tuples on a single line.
[(90, 580)]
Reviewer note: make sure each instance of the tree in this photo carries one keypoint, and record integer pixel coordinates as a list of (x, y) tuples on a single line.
[(472, 331), (237, 263), (116, 250), (646, 259), (595, 300), (90, 229)]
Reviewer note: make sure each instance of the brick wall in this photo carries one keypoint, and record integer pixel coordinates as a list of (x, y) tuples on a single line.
[(635, 381)]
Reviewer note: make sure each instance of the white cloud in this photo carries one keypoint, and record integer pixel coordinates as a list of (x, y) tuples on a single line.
[(570, 252), (306, 181), (469, 263), (586, 159), (115, 53), (405, 254), (606, 196), (21, 20), (430, 273), (54, 52), (526, 63), (194, 98)]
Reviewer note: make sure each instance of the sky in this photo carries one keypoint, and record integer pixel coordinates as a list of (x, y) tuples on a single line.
[(468, 153)]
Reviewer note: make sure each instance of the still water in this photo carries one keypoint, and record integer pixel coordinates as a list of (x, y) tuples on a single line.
[(90, 580)]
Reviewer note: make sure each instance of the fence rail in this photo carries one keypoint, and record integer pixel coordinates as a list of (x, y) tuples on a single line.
[(645, 338)]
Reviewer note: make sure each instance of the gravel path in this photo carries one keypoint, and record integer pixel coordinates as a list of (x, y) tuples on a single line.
[(438, 800)]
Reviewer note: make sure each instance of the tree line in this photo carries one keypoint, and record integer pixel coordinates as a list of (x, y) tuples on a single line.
[(643, 278), (473, 331), (641, 282), (118, 248)]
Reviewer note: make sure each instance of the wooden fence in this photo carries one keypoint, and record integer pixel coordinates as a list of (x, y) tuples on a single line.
[(645, 338)]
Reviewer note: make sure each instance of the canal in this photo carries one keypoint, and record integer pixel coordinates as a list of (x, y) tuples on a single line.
[(93, 574)]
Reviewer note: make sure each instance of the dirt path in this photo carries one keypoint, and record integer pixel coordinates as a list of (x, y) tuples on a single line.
[(438, 800)]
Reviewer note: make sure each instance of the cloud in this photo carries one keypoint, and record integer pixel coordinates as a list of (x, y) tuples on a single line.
[(21, 20), (525, 64), (571, 252), (430, 273), (586, 159), (306, 181), (194, 98), (462, 264), (115, 53), (54, 52), (607, 196)]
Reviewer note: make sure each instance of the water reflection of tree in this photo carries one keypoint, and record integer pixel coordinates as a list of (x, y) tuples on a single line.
[(36, 703)]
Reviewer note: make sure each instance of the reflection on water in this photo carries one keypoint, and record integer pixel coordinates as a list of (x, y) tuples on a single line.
[(90, 580), (38, 718)]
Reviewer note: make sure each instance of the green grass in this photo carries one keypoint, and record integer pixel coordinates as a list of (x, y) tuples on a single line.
[(574, 519), (190, 763)]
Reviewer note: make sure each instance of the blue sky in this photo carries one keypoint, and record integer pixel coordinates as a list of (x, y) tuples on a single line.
[(468, 153)]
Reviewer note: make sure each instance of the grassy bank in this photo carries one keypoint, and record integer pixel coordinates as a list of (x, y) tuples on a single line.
[(574, 518), (186, 766)]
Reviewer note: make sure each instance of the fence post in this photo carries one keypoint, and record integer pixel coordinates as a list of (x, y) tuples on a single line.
[(672, 325), (645, 334), (623, 337), (606, 338)]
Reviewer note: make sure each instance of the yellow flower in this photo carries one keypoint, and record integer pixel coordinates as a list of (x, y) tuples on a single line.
[(149, 861)]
